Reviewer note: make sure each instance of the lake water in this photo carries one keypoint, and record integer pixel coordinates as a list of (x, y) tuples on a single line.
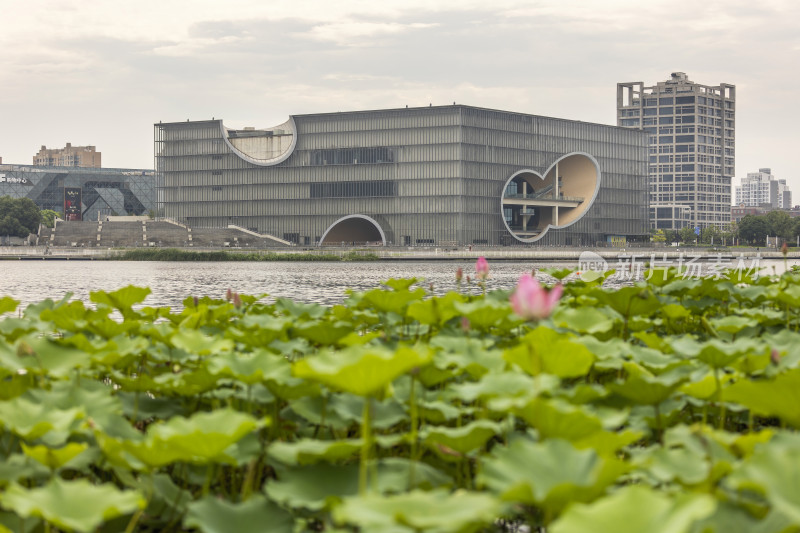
[(172, 282)]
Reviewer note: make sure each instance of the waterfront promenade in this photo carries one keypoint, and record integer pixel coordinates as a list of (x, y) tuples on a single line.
[(421, 253)]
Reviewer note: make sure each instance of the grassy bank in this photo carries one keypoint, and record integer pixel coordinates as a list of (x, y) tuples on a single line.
[(174, 254)]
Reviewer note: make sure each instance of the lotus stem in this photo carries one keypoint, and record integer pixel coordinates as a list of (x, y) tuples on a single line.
[(366, 438)]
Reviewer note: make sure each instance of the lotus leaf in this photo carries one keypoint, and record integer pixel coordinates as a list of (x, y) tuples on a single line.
[(583, 320), (54, 458), (464, 439), (437, 510), (123, 299), (546, 351), (361, 370), (549, 474), (310, 451), (636, 509), (776, 397), (256, 515), (72, 505)]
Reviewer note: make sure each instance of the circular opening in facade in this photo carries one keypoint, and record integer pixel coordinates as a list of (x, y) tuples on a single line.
[(353, 230), (531, 203)]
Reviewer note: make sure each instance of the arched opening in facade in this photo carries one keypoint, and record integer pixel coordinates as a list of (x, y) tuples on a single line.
[(531, 203), (353, 230)]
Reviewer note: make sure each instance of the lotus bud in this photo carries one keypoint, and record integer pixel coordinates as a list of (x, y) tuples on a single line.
[(532, 301), (459, 274), (237, 301), (481, 268), (430, 287), (196, 301), (775, 357), (785, 249), (465, 325), (229, 294)]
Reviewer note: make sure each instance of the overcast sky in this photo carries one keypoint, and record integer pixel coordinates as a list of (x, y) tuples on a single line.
[(100, 73)]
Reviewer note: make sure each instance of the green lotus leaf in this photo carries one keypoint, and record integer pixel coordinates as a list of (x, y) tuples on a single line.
[(32, 420), (8, 304), (677, 464), (200, 439), (72, 505), (324, 332), (774, 397), (731, 519), (464, 439), (550, 474), (501, 384), (123, 299), (317, 410), (609, 355), (47, 355), (771, 471), (249, 368), (544, 350), (255, 515), (193, 341), (439, 412), (316, 487), (437, 510), (582, 319), (297, 310), (704, 387), (675, 311), (395, 301), (790, 295), (310, 451), (629, 301), (649, 390), (282, 384), (18, 466), (435, 311), (361, 370), (54, 458), (635, 509), (556, 419), (400, 284), (166, 497), (313, 487), (93, 397), (383, 414), (732, 324), (483, 314), (474, 356)]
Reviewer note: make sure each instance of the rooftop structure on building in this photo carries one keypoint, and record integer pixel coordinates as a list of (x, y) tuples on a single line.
[(691, 134), (761, 188), (70, 156), (436, 176)]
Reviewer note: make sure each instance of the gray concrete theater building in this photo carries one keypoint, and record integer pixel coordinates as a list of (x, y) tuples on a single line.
[(441, 176)]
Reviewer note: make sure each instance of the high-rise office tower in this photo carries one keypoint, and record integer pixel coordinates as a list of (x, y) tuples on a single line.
[(761, 189), (692, 137)]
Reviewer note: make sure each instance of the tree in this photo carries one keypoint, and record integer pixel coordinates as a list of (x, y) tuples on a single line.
[(711, 233), (753, 229), (687, 235), (659, 236), (18, 216), (49, 217), (780, 224)]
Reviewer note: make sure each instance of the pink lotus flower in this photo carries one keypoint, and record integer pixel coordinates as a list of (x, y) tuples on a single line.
[(532, 301), (481, 268)]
